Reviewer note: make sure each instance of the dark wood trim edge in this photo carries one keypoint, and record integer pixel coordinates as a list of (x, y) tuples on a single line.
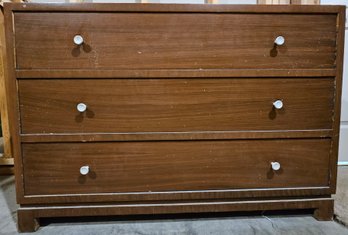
[(28, 217)]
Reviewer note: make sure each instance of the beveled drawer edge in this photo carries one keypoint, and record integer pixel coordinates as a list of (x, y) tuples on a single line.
[(172, 73), (160, 136)]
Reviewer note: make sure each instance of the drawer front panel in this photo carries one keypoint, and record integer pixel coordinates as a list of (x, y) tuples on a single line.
[(174, 40), (169, 166), (174, 105)]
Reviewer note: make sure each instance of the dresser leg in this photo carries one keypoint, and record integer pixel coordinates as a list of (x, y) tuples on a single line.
[(26, 221), (324, 211)]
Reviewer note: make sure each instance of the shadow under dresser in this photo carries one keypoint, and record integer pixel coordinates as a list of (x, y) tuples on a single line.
[(120, 109)]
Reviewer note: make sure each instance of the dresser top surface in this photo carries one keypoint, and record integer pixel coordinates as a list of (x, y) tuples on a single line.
[(164, 7)]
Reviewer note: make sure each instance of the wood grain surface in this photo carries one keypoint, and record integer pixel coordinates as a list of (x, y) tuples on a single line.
[(169, 8), (177, 73), (180, 115), (174, 105), (174, 41), (174, 165)]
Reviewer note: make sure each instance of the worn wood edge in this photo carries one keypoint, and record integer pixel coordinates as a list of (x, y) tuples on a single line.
[(26, 221), (172, 136), (175, 73), (325, 211), (176, 195), (341, 21), (153, 7)]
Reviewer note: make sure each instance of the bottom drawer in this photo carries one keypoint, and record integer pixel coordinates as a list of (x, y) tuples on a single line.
[(54, 168)]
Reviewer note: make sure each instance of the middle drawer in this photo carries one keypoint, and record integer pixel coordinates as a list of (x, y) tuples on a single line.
[(174, 105)]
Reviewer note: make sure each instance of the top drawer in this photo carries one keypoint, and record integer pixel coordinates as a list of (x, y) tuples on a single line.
[(174, 41)]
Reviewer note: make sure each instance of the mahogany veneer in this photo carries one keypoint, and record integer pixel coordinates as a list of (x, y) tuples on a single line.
[(180, 113), (173, 166), (174, 105), (174, 41)]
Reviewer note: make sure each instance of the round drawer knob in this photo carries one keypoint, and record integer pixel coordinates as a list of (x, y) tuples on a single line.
[(278, 104), (84, 170), (78, 40), (81, 107), (275, 166), (280, 40)]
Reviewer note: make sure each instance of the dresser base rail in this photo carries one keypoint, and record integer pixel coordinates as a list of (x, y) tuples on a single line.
[(28, 217)]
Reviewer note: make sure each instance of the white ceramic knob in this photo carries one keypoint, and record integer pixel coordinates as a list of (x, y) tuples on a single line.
[(84, 170), (78, 40), (81, 107), (275, 166), (280, 40), (278, 104)]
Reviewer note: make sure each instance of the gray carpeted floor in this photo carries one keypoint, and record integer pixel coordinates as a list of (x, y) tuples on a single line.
[(226, 224)]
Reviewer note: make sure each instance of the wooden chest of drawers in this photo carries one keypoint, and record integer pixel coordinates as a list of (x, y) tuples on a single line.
[(146, 108)]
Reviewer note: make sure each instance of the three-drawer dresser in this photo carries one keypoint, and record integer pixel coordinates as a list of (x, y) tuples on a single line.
[(137, 109)]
